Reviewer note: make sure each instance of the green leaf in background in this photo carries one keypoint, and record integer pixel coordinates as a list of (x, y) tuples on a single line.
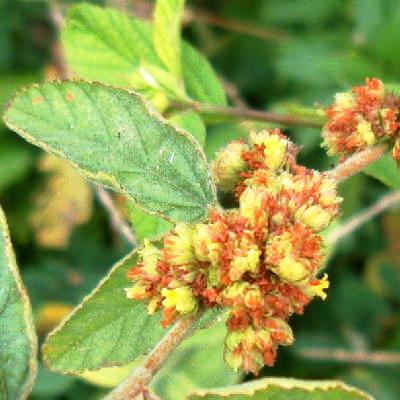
[(114, 138), (107, 329), (385, 170), (201, 82), (168, 16), (108, 46), (146, 226), (197, 363), (18, 342), (284, 389), (16, 159), (192, 123)]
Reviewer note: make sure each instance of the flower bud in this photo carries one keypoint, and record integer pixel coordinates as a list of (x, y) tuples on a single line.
[(360, 119), (228, 165), (315, 217), (280, 331), (150, 255), (274, 145), (247, 260), (295, 254), (249, 349), (181, 298), (205, 248), (253, 206), (178, 245)]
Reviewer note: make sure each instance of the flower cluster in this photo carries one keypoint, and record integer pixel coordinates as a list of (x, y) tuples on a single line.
[(359, 119), (259, 260)]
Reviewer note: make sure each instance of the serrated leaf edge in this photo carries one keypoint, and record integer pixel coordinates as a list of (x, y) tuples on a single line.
[(66, 320), (102, 177), (252, 387)]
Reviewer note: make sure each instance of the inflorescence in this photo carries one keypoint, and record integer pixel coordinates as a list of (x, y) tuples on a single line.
[(260, 260), (361, 118)]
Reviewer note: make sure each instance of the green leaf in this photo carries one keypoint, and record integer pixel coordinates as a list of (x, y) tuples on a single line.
[(284, 389), (201, 82), (18, 342), (146, 226), (108, 46), (192, 123), (168, 16), (385, 170), (106, 330), (196, 363), (114, 138), (16, 159)]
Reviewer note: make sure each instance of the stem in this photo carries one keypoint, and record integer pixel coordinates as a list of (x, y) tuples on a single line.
[(357, 162), (117, 222), (143, 374), (248, 113), (351, 356), (236, 26), (386, 202)]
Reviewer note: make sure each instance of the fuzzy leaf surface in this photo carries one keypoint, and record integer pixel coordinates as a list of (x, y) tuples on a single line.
[(18, 342), (106, 330), (114, 138), (108, 46)]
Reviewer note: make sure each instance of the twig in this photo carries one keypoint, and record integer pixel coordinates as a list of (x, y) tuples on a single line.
[(117, 222), (242, 27), (143, 374), (357, 162), (248, 113), (386, 202), (351, 356)]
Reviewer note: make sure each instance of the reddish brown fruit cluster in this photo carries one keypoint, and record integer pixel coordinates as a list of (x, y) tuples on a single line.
[(359, 119), (259, 260)]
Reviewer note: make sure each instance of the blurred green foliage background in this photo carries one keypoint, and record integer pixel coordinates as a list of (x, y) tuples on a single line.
[(271, 54)]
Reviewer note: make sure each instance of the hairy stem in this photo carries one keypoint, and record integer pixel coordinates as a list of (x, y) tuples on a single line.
[(357, 162), (250, 114), (388, 201), (143, 374)]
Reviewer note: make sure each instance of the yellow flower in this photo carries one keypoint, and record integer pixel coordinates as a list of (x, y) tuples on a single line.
[(182, 299), (364, 129), (317, 288)]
